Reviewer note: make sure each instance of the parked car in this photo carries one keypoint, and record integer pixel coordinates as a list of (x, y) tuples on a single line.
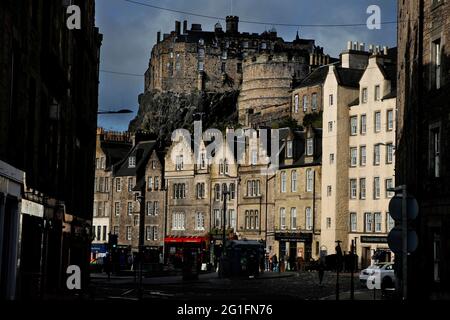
[(385, 272)]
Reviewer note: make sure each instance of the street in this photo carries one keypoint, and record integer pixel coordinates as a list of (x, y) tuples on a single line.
[(270, 285)]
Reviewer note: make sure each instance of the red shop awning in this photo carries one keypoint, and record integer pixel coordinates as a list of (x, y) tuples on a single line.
[(184, 239)]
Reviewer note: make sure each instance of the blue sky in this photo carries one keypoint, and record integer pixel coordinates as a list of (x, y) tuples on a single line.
[(129, 32)]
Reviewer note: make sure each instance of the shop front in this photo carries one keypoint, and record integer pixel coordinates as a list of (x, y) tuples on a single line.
[(373, 249), (294, 249), (177, 249)]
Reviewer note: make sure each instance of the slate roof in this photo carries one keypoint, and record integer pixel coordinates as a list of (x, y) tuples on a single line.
[(316, 77), (348, 77), (122, 168)]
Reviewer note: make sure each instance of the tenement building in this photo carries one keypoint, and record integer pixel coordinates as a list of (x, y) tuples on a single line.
[(48, 115), (111, 148), (423, 131), (358, 152), (298, 197)]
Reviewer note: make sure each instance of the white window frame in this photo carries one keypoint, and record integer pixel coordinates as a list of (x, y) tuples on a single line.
[(353, 222), (308, 219)]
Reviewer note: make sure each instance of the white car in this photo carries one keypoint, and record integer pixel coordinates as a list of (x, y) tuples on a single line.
[(383, 271)]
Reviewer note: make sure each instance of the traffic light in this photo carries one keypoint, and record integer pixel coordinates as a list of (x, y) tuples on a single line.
[(112, 241)]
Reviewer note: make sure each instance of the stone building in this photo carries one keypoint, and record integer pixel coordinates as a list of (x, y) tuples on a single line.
[(192, 59), (422, 147), (48, 113), (188, 212), (358, 105), (307, 97), (111, 148), (297, 211)]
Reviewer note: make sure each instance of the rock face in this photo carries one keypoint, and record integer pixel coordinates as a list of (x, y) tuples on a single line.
[(161, 113)]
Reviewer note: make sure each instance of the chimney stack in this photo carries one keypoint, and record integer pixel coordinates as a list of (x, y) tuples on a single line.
[(158, 37), (349, 45), (178, 27), (185, 26)]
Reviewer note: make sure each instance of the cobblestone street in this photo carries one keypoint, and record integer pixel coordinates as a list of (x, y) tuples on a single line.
[(274, 286)]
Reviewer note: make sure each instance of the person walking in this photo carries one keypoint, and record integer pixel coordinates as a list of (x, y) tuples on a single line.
[(321, 271), (275, 262)]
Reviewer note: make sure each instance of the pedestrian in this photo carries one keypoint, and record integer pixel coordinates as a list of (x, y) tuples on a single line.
[(321, 270), (275, 262)]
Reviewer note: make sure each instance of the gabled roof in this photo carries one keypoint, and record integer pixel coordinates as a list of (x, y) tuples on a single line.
[(314, 78), (146, 147), (348, 77)]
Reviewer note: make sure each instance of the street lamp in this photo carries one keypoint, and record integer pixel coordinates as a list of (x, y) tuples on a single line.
[(121, 111), (225, 193)]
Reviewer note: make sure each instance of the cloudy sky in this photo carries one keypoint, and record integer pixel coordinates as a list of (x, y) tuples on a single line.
[(129, 32)]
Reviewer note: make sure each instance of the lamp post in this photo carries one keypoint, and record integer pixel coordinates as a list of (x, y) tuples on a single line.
[(141, 199), (225, 193)]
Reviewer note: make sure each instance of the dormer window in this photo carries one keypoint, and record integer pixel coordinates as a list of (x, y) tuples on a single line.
[(364, 95), (309, 146), (179, 163), (132, 162), (289, 150), (203, 160)]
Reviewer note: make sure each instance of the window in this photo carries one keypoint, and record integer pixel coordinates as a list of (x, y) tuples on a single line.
[(314, 101), (389, 184), (226, 166), (156, 207), (116, 230), (217, 218), (309, 147), (330, 99), (362, 156), (363, 124), (289, 149), (203, 160), (117, 208), (305, 103), (376, 188), (106, 184), (283, 181), (353, 188), (130, 185), (353, 126), (131, 162), (153, 164), (376, 155), (156, 183), (390, 120), (353, 222), (232, 218), (179, 162), (200, 190), (282, 218), (377, 93), (200, 221), (377, 121), (178, 221), (364, 95), (217, 192), (362, 188), (368, 225), (390, 223), (118, 185), (130, 208), (99, 232), (331, 158), (328, 223), (150, 183), (377, 218), (435, 146), (296, 103), (308, 218), (155, 233), (149, 208), (251, 219), (254, 157), (437, 52), (389, 153), (328, 191), (136, 220), (294, 181), (179, 191), (293, 218), (148, 233), (330, 126), (129, 233), (353, 157), (232, 191), (221, 167), (309, 180)]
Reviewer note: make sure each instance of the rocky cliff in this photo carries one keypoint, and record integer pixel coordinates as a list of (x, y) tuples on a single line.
[(162, 112)]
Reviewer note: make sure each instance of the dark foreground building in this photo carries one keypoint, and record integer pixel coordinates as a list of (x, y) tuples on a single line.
[(48, 115), (423, 138)]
